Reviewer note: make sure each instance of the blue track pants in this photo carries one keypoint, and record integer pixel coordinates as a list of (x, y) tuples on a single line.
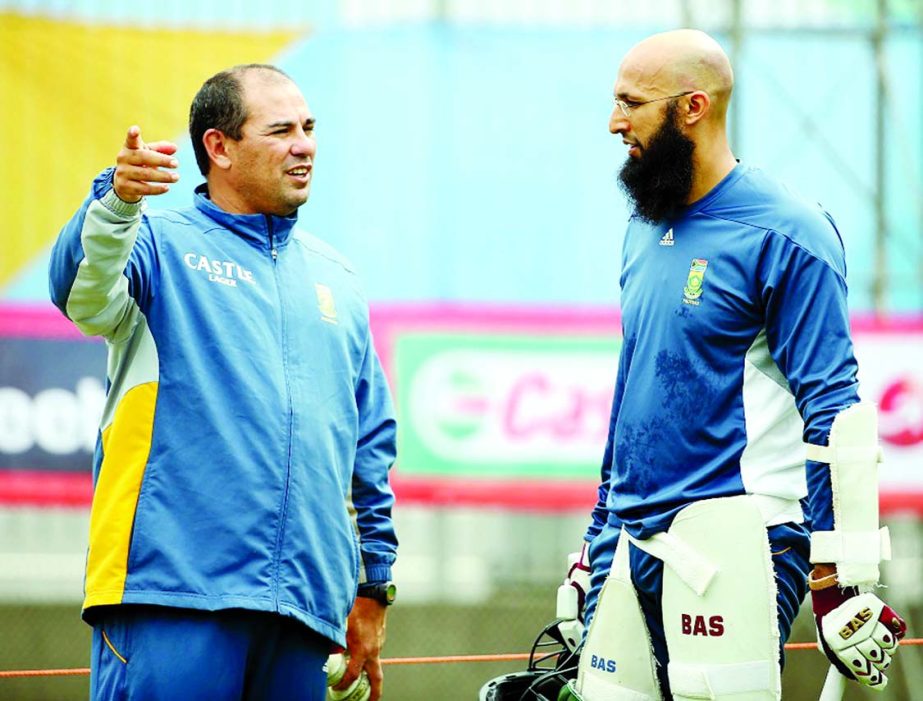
[(154, 653)]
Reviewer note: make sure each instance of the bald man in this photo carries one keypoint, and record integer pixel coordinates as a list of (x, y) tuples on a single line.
[(710, 521)]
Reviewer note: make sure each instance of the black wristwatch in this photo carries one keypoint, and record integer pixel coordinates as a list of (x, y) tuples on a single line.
[(382, 592)]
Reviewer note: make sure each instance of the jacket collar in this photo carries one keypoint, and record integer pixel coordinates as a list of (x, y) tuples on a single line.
[(255, 228)]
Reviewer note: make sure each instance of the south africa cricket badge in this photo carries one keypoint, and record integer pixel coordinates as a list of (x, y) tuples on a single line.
[(695, 282), (328, 310)]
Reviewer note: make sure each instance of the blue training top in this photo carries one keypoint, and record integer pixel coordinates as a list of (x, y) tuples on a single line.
[(736, 347)]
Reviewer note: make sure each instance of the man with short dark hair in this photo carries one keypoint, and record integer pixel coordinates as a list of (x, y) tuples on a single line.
[(241, 477), (736, 349)]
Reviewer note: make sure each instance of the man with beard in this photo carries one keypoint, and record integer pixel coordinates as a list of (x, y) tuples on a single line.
[(714, 518)]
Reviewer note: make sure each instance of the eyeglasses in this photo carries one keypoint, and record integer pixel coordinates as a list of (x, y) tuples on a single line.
[(626, 107)]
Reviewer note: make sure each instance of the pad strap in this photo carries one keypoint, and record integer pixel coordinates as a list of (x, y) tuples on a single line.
[(829, 455), (777, 510), (692, 681), (616, 693), (695, 570), (865, 548)]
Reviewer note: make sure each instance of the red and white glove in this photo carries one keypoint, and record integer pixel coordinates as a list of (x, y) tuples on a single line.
[(859, 633), (578, 577), (572, 598)]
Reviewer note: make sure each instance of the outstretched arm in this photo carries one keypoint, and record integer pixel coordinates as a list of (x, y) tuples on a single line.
[(89, 277)]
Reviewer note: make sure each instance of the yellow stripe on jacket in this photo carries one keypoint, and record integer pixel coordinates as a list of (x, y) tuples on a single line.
[(126, 448)]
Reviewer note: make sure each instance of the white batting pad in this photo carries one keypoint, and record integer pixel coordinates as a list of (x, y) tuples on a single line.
[(724, 643), (617, 663), (856, 545)]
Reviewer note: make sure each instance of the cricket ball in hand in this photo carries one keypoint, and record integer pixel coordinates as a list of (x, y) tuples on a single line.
[(359, 690)]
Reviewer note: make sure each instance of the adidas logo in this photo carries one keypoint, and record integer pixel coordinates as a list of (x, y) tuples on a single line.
[(667, 239)]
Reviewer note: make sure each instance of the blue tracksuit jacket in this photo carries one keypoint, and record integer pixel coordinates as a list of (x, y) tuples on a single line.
[(246, 441)]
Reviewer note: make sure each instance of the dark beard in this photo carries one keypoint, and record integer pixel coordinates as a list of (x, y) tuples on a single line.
[(659, 181)]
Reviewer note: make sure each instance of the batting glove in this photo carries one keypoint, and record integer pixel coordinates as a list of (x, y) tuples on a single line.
[(578, 577), (859, 633)]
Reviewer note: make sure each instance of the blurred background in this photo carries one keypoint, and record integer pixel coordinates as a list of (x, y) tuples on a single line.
[(465, 167)]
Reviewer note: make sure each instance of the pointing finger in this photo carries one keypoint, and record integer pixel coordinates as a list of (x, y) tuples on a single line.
[(133, 139)]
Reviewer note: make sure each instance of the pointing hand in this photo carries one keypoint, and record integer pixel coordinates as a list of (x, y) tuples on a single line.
[(139, 167)]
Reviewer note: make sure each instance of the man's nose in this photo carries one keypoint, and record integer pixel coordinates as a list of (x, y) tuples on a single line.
[(304, 145), (618, 122)]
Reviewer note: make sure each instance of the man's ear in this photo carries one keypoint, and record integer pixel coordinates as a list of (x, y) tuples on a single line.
[(697, 107), (216, 143)]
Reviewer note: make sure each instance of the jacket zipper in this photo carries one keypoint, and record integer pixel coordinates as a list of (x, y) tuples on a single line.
[(272, 243), (277, 555)]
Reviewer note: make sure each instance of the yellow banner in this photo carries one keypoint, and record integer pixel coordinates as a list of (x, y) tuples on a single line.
[(70, 91)]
